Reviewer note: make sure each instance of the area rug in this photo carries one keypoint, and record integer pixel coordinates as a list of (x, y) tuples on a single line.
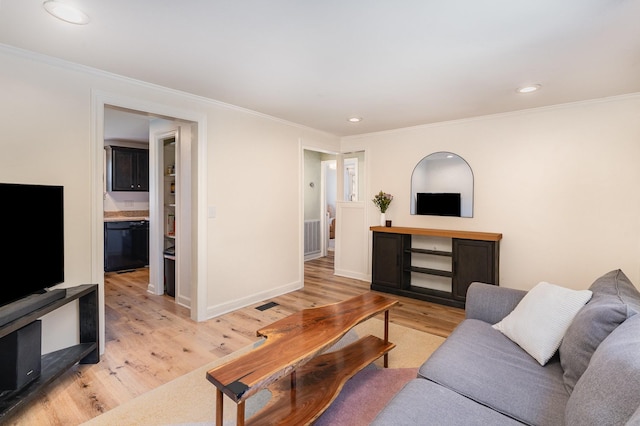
[(364, 395), (190, 399)]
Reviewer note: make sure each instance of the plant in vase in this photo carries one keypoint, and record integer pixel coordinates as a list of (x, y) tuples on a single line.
[(382, 200)]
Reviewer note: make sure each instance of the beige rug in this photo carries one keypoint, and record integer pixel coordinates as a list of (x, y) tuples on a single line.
[(191, 398)]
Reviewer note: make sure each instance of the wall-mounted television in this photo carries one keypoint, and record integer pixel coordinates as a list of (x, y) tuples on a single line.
[(438, 203), (32, 248)]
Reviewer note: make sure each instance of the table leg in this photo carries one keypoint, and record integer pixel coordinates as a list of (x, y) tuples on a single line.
[(386, 337), (240, 416), (218, 407)]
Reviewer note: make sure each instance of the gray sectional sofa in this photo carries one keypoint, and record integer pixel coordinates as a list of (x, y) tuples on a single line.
[(478, 376)]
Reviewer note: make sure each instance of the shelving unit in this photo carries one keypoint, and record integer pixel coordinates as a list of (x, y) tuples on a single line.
[(398, 263), (56, 363), (170, 185)]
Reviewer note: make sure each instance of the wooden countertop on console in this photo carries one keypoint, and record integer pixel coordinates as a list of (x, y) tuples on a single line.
[(466, 235)]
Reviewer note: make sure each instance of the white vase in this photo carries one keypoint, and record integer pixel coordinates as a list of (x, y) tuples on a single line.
[(383, 219)]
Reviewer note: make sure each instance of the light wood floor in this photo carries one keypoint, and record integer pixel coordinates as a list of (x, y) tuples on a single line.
[(150, 341)]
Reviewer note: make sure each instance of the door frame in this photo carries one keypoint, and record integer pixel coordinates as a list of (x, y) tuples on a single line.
[(323, 202), (100, 99), (302, 149)]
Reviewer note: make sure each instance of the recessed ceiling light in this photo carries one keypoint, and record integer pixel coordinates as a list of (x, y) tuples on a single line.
[(66, 12), (354, 119), (528, 89)]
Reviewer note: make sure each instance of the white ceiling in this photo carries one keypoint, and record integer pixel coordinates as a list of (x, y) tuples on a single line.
[(396, 63)]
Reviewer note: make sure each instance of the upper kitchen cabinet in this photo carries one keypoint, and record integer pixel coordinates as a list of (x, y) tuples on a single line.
[(127, 169)]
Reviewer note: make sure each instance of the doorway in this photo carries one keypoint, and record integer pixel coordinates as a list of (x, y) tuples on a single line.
[(168, 170), (194, 149), (329, 181), (319, 203)]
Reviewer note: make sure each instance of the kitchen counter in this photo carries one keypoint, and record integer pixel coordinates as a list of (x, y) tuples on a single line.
[(125, 218), (129, 215)]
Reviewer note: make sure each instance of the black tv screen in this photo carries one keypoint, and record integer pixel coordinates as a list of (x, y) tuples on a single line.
[(438, 204), (32, 249)]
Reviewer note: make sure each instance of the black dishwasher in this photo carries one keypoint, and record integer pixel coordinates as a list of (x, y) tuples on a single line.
[(126, 245)]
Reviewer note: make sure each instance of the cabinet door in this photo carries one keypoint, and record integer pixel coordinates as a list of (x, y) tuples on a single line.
[(473, 261), (124, 167), (142, 170), (130, 169), (387, 262)]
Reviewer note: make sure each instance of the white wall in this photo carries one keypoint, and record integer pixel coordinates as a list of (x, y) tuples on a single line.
[(560, 184), (253, 244)]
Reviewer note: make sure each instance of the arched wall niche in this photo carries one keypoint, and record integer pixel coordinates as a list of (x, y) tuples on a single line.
[(436, 183)]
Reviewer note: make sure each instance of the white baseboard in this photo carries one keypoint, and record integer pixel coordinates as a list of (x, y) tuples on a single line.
[(312, 256), (223, 308), (352, 274)]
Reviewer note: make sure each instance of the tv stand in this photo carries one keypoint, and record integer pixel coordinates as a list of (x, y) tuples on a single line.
[(15, 310), (400, 262), (54, 364)]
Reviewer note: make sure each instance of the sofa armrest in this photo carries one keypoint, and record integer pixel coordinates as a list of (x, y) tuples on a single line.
[(491, 303)]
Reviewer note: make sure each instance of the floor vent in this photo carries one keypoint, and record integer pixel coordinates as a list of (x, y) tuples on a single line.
[(266, 306)]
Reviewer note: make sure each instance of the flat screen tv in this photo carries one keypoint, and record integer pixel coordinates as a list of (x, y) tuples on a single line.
[(32, 249), (438, 204)]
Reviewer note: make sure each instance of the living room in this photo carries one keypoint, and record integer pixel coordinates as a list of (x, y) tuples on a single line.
[(558, 181)]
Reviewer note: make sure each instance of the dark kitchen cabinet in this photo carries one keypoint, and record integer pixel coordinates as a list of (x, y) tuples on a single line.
[(400, 267), (129, 169), (126, 245)]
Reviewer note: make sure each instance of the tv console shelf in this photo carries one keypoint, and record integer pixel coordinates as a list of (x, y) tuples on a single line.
[(54, 364), (474, 256)]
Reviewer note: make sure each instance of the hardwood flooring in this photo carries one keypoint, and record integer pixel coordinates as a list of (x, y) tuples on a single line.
[(150, 340)]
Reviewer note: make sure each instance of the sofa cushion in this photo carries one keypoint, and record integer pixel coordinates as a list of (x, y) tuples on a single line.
[(482, 364), (614, 300), (608, 393), (422, 402), (540, 320)]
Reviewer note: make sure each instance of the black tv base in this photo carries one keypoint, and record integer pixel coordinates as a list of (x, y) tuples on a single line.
[(15, 310), (56, 363)]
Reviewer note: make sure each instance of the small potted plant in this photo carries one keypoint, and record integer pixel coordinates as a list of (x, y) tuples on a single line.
[(382, 200)]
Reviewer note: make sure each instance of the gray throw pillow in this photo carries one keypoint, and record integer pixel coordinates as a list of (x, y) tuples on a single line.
[(614, 300), (608, 393)]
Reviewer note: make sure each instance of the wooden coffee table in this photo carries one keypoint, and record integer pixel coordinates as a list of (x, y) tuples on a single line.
[(291, 349)]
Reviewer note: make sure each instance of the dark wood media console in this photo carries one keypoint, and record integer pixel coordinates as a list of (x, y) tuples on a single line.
[(56, 363), (474, 256)]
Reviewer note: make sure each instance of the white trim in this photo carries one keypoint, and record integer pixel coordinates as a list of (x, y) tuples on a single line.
[(98, 185), (324, 164), (517, 113), (98, 101), (156, 210), (302, 147), (221, 309), (352, 274), (73, 66)]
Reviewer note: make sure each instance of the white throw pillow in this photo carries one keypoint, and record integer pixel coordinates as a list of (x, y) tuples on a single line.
[(539, 321)]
